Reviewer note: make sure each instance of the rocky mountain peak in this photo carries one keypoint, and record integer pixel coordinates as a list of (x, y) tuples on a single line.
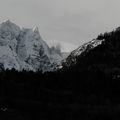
[(24, 49)]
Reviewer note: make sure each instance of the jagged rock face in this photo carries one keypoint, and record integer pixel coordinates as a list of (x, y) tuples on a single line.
[(25, 49), (33, 50)]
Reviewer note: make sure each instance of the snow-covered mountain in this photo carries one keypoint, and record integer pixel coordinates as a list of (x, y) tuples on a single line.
[(22, 48)]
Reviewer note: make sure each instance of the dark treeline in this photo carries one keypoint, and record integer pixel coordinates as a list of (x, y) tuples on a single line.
[(85, 87)]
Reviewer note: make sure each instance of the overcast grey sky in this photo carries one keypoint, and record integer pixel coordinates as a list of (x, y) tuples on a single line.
[(69, 22)]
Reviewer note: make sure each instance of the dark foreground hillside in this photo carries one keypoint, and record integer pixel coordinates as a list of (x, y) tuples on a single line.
[(86, 90), (33, 96)]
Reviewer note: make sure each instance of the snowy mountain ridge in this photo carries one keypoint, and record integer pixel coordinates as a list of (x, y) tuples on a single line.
[(82, 50), (22, 48)]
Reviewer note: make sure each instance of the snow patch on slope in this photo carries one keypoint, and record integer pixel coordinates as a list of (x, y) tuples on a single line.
[(72, 58)]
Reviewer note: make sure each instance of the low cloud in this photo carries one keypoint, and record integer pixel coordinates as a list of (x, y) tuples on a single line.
[(61, 46)]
